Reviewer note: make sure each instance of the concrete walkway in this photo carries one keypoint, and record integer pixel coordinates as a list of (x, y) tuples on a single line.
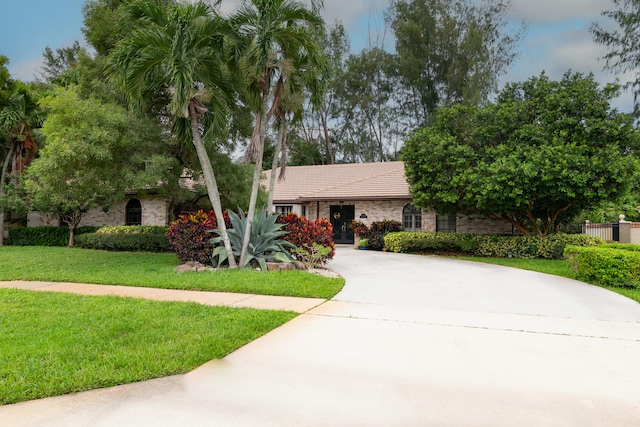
[(410, 341), (295, 304)]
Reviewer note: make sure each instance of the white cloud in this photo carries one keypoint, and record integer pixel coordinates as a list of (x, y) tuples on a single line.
[(537, 12), (26, 71)]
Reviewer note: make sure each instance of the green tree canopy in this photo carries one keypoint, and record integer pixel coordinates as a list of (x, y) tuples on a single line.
[(278, 37), (623, 43), (19, 116), (544, 152), (93, 154), (450, 51), (180, 49)]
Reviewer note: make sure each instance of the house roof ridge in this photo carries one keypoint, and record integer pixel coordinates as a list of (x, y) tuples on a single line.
[(355, 181)]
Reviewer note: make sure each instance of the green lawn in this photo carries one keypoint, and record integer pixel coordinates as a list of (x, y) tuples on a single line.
[(555, 267), (56, 343), (152, 270)]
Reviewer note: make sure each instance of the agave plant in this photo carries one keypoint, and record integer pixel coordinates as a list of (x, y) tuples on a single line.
[(264, 245)]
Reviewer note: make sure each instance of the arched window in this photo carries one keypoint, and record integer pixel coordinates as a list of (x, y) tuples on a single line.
[(133, 212), (411, 218)]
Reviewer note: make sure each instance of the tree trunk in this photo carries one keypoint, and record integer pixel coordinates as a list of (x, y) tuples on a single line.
[(3, 178), (258, 133), (274, 164), (211, 184), (72, 220), (72, 230), (327, 139)]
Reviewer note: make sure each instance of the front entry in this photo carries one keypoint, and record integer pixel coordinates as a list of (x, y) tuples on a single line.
[(341, 217)]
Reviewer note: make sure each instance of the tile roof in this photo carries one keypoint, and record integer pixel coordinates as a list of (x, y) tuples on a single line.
[(355, 181)]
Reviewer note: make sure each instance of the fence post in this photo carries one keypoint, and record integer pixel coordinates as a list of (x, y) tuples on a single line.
[(625, 230)]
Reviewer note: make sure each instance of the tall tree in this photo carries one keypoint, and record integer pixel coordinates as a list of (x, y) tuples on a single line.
[(180, 48), (623, 43), (60, 61), (325, 119), (19, 115), (366, 97), (94, 152), (274, 33), (543, 153), (450, 51)]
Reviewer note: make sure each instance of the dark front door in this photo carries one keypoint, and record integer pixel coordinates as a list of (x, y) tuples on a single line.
[(341, 217)]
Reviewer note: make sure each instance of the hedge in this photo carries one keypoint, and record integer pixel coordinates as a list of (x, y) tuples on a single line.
[(44, 236), (124, 242), (484, 245), (133, 229), (625, 246), (605, 266)]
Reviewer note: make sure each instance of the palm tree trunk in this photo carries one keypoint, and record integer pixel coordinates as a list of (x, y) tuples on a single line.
[(211, 184), (327, 139), (258, 133), (274, 165), (3, 177)]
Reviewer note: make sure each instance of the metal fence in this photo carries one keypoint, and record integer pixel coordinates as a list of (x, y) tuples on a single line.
[(606, 231)]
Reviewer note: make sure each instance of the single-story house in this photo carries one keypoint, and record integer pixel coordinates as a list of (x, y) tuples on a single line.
[(368, 192), (134, 209), (365, 191)]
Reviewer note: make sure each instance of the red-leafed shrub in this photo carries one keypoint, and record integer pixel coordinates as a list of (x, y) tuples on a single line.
[(303, 233), (189, 236), (375, 234)]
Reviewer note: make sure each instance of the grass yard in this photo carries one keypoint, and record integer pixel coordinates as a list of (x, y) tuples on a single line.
[(55, 343), (555, 267), (76, 265)]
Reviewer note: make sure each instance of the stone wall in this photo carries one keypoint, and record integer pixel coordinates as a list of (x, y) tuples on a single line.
[(155, 211), (480, 225), (37, 219)]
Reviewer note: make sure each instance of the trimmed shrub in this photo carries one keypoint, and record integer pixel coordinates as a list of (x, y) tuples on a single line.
[(44, 236), (189, 236), (132, 242), (133, 229), (483, 245), (605, 266), (376, 233), (303, 233), (409, 242), (624, 246)]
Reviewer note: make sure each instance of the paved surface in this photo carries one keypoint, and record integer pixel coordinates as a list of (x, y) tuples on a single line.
[(298, 305), (410, 341)]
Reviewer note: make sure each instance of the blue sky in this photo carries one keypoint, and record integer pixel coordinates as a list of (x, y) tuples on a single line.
[(557, 37)]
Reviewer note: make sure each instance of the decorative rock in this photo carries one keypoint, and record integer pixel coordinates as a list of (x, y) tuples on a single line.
[(286, 266), (300, 265), (192, 266)]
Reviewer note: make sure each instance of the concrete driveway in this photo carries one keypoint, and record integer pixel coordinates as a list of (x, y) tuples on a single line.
[(410, 341)]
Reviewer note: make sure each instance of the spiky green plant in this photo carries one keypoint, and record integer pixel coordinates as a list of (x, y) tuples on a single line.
[(264, 244)]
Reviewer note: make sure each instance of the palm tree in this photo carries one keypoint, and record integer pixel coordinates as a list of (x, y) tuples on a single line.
[(274, 33), (180, 49), (19, 115)]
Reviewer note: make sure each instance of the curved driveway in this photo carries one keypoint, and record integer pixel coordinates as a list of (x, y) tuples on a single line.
[(410, 341)]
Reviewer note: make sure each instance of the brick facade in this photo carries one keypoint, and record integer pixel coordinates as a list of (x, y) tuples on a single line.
[(378, 210), (155, 211), (479, 225)]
